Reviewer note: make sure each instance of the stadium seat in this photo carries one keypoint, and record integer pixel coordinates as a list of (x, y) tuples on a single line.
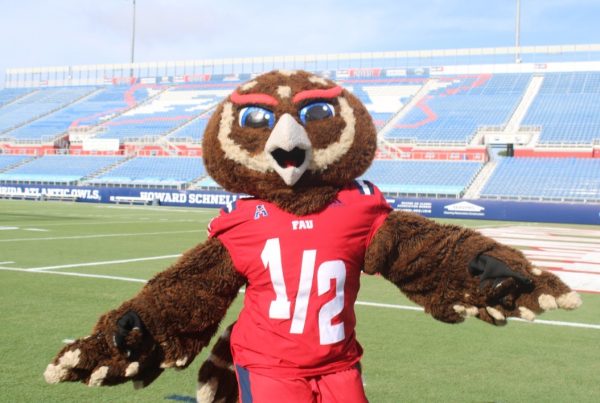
[(447, 178), (573, 179)]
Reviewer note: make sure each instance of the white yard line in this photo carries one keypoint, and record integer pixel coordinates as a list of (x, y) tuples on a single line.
[(371, 304), (107, 262), (142, 220), (539, 321), (64, 273), (58, 238), (7, 262), (392, 306), (558, 323)]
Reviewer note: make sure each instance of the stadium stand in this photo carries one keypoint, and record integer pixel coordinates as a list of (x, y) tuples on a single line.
[(57, 169), (451, 113), (172, 108), (101, 105), (38, 104), (191, 132), (434, 126), (8, 95), (383, 98), (9, 161), (153, 171), (432, 178), (206, 183), (567, 109), (552, 179)]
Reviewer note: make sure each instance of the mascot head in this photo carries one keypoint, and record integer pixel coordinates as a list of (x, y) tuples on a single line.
[(289, 137)]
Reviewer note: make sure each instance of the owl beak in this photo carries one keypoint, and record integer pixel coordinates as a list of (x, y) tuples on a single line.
[(288, 149)]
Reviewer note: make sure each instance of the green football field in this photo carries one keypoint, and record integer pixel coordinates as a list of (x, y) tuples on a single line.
[(64, 264)]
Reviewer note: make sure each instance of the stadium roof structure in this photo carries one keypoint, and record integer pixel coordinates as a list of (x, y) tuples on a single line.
[(525, 58)]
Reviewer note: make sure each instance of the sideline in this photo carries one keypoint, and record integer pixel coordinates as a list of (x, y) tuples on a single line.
[(364, 303)]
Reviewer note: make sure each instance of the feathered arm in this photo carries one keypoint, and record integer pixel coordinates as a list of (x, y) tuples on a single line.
[(216, 378), (166, 325), (455, 272)]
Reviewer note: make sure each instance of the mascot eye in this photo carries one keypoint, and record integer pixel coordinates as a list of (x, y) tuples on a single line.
[(256, 117), (316, 111)]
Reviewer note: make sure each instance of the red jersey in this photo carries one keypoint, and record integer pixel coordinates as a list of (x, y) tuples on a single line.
[(303, 277)]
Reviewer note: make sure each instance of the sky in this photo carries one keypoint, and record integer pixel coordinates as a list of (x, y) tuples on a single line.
[(40, 33)]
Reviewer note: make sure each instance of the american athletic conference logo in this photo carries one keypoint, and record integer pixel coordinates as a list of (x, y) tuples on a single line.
[(260, 211)]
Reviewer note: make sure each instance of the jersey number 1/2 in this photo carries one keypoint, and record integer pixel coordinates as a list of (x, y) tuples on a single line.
[(280, 307)]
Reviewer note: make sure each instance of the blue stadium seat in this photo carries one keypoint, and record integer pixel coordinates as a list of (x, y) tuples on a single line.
[(164, 171), (567, 108), (576, 179), (8, 95), (38, 104), (8, 161), (191, 132), (172, 109), (452, 113), (90, 111), (57, 168), (383, 98), (422, 177)]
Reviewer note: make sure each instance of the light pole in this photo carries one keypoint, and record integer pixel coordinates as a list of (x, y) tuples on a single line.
[(132, 42), (517, 33)]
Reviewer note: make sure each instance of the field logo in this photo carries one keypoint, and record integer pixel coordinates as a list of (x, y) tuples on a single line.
[(464, 208)]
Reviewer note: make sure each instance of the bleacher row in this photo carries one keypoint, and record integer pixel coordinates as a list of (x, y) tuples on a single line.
[(567, 108), (101, 170), (572, 179)]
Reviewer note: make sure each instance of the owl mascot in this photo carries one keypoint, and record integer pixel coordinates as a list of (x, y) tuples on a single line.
[(296, 143)]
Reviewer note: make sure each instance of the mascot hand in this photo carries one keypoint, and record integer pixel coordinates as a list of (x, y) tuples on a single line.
[(511, 288), (119, 350), (216, 378)]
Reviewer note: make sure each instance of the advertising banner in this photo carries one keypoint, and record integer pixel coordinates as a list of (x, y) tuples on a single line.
[(568, 213), (163, 197)]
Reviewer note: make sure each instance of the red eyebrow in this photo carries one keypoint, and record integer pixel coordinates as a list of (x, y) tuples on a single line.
[(244, 99), (328, 93)]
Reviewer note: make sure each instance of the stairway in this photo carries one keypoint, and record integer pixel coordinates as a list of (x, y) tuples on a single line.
[(480, 180), (521, 110)]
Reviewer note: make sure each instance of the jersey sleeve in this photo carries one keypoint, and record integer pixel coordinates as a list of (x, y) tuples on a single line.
[(224, 221), (230, 227), (216, 224), (377, 207)]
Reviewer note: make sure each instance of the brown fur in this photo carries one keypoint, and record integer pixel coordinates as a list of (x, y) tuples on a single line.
[(429, 263), (227, 382), (181, 309)]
